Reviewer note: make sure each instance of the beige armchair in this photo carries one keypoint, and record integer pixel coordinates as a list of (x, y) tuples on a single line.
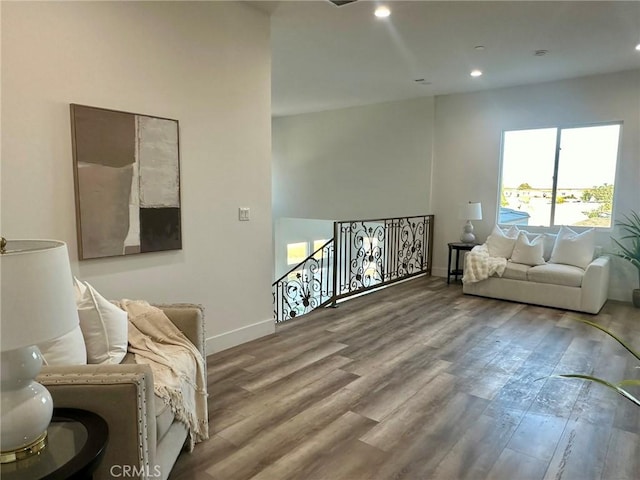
[(144, 438)]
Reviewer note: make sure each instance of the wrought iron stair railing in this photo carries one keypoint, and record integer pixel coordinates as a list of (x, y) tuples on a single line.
[(307, 286), (362, 255)]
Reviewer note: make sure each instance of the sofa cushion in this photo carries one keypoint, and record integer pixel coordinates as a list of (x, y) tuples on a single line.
[(556, 274), (129, 358), (500, 244), (573, 248), (528, 252), (516, 271)]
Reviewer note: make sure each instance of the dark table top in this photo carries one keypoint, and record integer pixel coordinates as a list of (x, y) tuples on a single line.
[(76, 440)]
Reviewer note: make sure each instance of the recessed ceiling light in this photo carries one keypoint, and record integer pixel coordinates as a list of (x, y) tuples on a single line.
[(382, 12), (479, 47), (638, 47), (540, 53), (476, 73)]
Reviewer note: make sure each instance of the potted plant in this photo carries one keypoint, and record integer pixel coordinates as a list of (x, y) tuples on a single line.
[(631, 226)]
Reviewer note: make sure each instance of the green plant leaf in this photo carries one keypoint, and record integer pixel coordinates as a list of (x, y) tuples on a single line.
[(631, 226), (631, 223), (617, 389), (611, 334), (630, 383)]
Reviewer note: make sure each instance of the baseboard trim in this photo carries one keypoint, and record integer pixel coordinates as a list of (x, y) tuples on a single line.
[(241, 335), (619, 295), (439, 272)]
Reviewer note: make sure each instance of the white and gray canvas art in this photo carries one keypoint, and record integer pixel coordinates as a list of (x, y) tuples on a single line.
[(127, 182)]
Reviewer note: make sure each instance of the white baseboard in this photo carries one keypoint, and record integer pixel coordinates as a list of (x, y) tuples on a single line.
[(238, 336), (439, 272), (619, 294)]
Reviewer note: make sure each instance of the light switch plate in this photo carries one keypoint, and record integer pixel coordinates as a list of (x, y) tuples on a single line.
[(243, 214)]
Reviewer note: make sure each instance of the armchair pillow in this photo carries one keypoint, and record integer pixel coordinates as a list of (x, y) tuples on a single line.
[(69, 349), (104, 325)]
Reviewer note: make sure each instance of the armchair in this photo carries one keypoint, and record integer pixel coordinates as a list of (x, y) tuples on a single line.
[(144, 438)]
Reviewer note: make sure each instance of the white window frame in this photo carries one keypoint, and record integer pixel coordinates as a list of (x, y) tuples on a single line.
[(559, 129)]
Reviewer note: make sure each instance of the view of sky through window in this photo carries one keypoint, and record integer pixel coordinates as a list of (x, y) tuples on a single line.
[(585, 176)]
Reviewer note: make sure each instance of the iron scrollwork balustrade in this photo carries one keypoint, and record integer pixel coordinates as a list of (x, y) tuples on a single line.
[(372, 253), (365, 246), (363, 254), (305, 287), (410, 257)]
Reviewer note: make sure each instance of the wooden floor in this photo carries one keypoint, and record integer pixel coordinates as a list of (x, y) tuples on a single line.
[(421, 382)]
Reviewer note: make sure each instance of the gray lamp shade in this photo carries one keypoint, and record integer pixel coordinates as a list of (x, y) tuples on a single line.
[(37, 296)]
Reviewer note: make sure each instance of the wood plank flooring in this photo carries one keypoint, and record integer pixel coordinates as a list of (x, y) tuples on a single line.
[(417, 382)]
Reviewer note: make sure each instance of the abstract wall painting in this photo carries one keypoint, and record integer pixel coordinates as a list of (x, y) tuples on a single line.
[(127, 182)]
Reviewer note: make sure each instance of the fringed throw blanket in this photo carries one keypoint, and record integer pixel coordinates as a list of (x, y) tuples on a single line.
[(178, 367), (479, 265)]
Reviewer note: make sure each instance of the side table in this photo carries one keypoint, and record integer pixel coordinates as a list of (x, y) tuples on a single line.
[(76, 440), (458, 247)]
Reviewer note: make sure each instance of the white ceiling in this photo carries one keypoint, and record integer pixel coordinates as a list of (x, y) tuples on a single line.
[(327, 57)]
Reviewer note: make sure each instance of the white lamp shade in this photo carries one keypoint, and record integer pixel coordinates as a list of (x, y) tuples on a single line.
[(37, 296), (471, 211)]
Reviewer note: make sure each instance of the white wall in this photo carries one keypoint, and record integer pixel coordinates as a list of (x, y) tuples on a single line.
[(206, 64), (467, 149), (354, 163)]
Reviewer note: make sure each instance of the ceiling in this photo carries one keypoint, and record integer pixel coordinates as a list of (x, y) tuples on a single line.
[(326, 57)]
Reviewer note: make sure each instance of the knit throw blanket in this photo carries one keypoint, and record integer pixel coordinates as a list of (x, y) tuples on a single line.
[(479, 265), (178, 368)]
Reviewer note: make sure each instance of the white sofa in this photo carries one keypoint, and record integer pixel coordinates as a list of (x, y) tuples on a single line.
[(549, 284), (552, 285)]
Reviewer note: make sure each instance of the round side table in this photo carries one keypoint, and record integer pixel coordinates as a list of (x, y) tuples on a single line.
[(76, 440)]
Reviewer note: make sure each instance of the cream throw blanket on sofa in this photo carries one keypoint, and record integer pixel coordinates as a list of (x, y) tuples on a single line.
[(175, 363), (480, 265)]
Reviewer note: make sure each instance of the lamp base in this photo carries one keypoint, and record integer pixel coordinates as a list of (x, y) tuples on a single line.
[(467, 233), (468, 238), (24, 452), (26, 406)]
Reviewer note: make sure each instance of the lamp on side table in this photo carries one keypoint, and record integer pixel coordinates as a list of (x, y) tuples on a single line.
[(469, 211), (37, 304)]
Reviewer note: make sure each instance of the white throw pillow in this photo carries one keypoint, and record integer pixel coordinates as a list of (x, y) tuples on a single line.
[(573, 248), (69, 349), (528, 252), (549, 241), (104, 326), (500, 244)]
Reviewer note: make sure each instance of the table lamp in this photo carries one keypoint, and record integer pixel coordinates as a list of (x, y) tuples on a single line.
[(37, 304), (469, 211)]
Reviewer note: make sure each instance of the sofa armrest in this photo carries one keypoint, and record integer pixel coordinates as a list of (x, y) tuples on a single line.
[(123, 396), (595, 285), (189, 319)]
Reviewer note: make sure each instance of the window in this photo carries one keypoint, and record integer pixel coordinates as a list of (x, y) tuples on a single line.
[(559, 176), (297, 252)]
